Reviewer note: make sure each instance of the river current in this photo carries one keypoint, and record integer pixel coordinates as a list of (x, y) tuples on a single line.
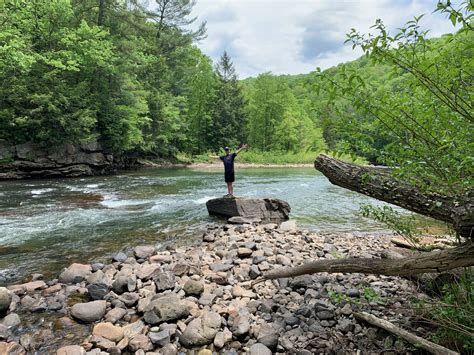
[(48, 224)]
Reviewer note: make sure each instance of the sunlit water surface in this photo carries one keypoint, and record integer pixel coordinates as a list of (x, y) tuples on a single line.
[(48, 224)]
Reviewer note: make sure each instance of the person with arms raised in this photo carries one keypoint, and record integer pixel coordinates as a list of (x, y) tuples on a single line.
[(228, 160)]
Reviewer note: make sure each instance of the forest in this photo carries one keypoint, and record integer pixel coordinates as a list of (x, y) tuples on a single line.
[(115, 71)]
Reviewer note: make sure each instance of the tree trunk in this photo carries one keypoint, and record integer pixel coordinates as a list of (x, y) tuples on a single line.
[(402, 333), (378, 183), (101, 14), (436, 261)]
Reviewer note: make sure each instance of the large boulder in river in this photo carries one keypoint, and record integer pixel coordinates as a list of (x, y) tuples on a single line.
[(267, 209)]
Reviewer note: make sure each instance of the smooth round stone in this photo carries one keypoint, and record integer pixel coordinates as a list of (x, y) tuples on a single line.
[(89, 312), (108, 331), (259, 349)]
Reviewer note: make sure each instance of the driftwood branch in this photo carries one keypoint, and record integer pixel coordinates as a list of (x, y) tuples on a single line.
[(436, 261), (411, 338), (379, 184)]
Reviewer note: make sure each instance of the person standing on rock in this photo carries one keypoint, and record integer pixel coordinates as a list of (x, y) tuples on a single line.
[(228, 160)]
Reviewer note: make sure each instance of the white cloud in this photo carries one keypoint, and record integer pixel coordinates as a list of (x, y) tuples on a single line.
[(296, 36)]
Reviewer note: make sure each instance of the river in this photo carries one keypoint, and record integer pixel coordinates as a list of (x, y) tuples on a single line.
[(48, 224)]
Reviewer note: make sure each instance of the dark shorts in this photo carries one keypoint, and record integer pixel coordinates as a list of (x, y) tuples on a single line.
[(229, 177)]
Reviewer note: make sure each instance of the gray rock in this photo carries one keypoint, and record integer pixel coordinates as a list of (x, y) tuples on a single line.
[(288, 226), (218, 267), (192, 287), (268, 337), (11, 321), (101, 342), (347, 309), (325, 315), (89, 312), (244, 252), (120, 257), (222, 338), (38, 306), (75, 273), (97, 266), (148, 271), (258, 259), (71, 350), (160, 338), (202, 330), (353, 292), (120, 284), (254, 272), (164, 281), (272, 210), (303, 281), (144, 251), (169, 349), (5, 333), (209, 237), (291, 319), (129, 298), (207, 299), (165, 308), (345, 325), (259, 349), (329, 248), (140, 342), (240, 325), (97, 291), (283, 260), (115, 314), (132, 329), (5, 300)]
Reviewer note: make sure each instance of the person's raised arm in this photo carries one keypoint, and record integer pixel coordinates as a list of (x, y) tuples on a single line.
[(244, 146)]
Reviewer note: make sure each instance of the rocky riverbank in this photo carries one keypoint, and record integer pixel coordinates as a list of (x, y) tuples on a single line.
[(199, 298)]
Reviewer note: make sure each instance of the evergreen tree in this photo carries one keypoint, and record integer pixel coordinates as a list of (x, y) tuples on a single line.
[(229, 117)]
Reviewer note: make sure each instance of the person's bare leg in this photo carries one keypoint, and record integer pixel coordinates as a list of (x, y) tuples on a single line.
[(229, 188)]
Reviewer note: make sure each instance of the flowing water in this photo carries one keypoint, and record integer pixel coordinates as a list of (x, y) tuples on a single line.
[(48, 224)]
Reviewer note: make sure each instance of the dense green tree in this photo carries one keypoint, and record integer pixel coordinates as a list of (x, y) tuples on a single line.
[(229, 117), (201, 95), (268, 99), (277, 120)]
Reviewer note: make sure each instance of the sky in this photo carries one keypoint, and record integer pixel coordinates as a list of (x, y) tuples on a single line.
[(296, 36)]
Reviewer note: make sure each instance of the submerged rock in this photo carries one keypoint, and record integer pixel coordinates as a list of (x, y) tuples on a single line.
[(268, 209)]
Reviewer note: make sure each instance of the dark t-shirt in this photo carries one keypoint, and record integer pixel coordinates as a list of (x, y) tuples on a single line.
[(228, 162)]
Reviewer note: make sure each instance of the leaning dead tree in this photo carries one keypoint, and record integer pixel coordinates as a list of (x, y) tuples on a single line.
[(378, 183)]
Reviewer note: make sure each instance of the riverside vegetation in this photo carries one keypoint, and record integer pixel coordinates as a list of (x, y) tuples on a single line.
[(151, 92)]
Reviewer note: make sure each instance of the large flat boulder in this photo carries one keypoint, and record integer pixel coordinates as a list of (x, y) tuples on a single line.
[(267, 209)]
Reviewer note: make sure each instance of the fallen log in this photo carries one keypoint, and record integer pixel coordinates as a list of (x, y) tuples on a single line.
[(379, 184), (411, 338), (436, 261)]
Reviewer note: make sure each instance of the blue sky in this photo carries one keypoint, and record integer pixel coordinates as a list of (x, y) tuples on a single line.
[(296, 36)]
